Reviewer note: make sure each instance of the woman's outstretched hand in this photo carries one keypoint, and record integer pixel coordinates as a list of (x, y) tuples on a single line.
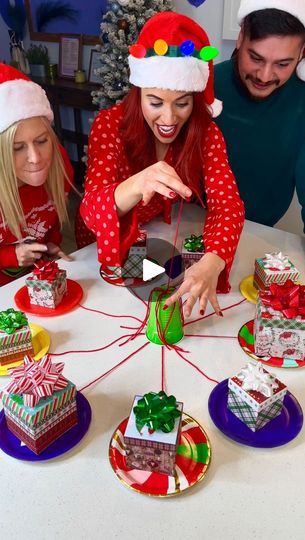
[(200, 282)]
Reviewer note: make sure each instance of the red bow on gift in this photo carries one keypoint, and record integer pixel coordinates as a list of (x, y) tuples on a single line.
[(46, 270), (288, 298), (35, 380)]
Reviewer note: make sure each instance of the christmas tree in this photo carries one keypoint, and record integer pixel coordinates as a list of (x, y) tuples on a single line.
[(120, 27)]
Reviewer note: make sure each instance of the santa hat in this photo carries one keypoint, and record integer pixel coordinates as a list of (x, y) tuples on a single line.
[(174, 53), (20, 98), (293, 7)]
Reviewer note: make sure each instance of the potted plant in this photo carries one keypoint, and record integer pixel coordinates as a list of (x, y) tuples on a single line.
[(38, 57)]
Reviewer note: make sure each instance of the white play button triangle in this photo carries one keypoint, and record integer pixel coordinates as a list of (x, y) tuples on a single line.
[(151, 270)]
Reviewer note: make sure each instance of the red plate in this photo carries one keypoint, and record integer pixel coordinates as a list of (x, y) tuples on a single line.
[(246, 341), (69, 301), (192, 461)]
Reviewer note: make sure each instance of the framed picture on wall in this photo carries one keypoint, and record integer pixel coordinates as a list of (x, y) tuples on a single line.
[(95, 62), (230, 25), (69, 56)]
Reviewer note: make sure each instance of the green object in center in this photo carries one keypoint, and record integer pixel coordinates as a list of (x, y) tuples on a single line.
[(170, 323)]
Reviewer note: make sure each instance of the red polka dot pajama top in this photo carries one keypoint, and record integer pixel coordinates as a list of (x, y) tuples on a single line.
[(108, 166)]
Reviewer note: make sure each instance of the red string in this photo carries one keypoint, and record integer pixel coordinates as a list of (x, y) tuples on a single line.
[(210, 336), (114, 367), (139, 297), (162, 369), (90, 350), (175, 241), (197, 368), (109, 314), (213, 313)]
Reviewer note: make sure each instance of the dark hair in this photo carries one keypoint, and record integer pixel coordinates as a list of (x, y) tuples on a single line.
[(272, 22)]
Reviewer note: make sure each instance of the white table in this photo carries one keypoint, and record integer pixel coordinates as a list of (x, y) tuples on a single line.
[(247, 493)]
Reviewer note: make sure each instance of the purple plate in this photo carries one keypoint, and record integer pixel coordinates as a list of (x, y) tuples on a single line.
[(11, 445), (277, 432)]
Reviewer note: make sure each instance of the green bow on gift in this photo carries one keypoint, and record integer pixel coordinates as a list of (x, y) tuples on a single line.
[(194, 243), (11, 319), (157, 411)]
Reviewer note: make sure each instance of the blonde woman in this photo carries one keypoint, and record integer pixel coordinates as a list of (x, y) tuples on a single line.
[(34, 176)]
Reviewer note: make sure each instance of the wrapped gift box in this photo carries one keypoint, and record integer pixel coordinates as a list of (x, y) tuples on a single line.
[(152, 450), (39, 403), (47, 285), (133, 267), (274, 268), (255, 396), (192, 250), (15, 336), (279, 324)]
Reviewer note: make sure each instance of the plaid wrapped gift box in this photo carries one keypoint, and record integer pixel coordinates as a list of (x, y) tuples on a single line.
[(39, 423), (47, 285), (255, 396), (274, 334), (133, 267), (151, 451), (274, 268), (192, 250), (15, 336)]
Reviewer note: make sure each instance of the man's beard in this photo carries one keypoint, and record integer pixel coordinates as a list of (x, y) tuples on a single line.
[(242, 84)]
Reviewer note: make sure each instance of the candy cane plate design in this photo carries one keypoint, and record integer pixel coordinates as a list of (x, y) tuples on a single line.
[(192, 461), (246, 341)]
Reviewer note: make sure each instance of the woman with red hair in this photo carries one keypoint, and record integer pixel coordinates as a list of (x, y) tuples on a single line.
[(158, 145)]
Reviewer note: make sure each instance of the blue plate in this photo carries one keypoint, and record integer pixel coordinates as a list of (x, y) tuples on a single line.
[(277, 432), (11, 445)]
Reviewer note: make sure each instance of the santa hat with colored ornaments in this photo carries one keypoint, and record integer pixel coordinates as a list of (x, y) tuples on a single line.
[(20, 98), (293, 7), (173, 53)]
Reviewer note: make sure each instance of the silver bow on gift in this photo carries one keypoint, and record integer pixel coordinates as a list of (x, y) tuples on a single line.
[(278, 261), (254, 377)]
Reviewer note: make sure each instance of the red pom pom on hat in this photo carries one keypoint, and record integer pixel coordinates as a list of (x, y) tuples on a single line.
[(169, 61)]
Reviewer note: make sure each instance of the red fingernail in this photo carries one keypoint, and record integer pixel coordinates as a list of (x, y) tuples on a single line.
[(188, 198), (172, 194), (220, 314), (202, 312), (165, 307)]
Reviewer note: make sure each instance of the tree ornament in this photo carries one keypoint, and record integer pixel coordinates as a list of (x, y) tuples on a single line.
[(105, 37), (115, 7), (196, 3), (123, 25)]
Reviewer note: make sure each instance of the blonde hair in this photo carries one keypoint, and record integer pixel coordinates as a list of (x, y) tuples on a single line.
[(11, 210)]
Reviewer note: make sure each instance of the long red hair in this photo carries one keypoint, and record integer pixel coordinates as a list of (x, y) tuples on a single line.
[(187, 147)]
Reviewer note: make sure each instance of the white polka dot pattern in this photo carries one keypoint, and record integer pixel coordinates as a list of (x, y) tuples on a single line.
[(108, 166)]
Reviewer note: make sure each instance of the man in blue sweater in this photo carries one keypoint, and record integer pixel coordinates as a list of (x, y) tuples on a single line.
[(263, 119)]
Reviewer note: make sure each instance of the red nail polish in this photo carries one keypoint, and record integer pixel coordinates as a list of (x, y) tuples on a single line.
[(165, 307), (220, 314), (202, 312), (172, 194)]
